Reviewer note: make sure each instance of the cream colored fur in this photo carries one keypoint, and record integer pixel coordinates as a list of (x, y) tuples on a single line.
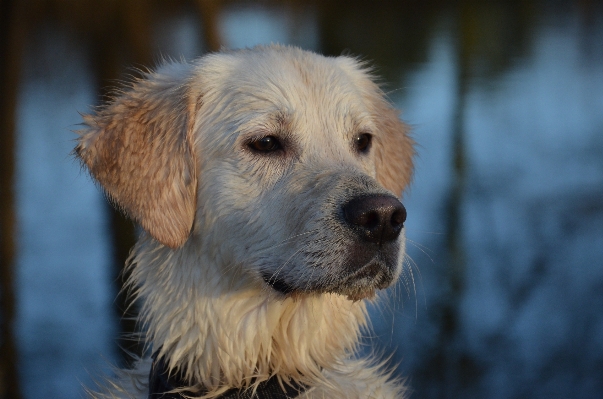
[(173, 152)]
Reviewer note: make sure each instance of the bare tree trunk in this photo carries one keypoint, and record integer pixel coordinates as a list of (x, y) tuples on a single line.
[(10, 56), (208, 12)]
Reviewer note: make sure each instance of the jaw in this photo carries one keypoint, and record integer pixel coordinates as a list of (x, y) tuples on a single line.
[(366, 270), (363, 283)]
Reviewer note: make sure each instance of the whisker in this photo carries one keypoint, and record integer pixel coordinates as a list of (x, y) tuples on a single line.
[(407, 261), (421, 248), (288, 240), (438, 233), (273, 277), (413, 265)]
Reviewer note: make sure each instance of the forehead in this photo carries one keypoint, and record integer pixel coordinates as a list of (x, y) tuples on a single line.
[(299, 87)]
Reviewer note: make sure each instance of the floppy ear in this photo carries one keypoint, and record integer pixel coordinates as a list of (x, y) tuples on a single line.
[(394, 151), (140, 149)]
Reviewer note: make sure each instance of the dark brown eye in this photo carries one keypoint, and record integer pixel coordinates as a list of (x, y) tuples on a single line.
[(265, 144), (363, 142)]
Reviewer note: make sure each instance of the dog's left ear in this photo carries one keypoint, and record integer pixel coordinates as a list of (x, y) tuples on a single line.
[(140, 149), (394, 150)]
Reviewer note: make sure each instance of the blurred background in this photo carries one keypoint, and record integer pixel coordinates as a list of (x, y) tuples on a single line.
[(504, 294)]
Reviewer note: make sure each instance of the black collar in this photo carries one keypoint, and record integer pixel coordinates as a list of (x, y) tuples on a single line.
[(161, 383)]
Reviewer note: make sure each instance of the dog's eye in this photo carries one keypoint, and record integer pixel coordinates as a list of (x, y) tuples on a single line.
[(265, 144), (362, 142)]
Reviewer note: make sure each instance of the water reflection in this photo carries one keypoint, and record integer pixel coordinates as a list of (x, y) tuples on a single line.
[(527, 321), (507, 245)]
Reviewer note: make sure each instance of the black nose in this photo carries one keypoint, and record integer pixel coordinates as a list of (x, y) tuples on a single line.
[(376, 218)]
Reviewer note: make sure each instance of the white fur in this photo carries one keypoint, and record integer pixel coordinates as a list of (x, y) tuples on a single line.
[(173, 152)]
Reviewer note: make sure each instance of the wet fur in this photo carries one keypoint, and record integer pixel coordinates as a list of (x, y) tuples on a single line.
[(220, 221)]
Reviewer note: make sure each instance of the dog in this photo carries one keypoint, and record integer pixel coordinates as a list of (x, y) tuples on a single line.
[(267, 184)]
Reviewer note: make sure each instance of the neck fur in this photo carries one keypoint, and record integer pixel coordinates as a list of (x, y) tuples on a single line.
[(219, 327)]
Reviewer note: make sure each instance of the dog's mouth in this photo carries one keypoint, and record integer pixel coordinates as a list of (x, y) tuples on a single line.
[(360, 284), (374, 273), (278, 284), (363, 283)]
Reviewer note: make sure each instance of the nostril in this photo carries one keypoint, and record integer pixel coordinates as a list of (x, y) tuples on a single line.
[(399, 216)]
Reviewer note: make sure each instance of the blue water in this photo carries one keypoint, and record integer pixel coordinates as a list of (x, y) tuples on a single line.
[(530, 314)]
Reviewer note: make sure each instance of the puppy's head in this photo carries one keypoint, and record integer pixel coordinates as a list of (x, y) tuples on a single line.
[(282, 164)]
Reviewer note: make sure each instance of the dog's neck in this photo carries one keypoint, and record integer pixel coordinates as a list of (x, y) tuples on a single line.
[(229, 332)]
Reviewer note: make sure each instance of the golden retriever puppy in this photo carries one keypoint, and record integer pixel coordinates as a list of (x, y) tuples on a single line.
[(267, 182)]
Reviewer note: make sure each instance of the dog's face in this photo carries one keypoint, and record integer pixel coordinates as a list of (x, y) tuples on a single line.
[(285, 164)]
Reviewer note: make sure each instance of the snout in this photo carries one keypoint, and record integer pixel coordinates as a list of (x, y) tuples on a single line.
[(356, 243), (375, 218)]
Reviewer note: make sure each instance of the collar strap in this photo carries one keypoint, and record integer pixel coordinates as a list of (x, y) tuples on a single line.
[(161, 382)]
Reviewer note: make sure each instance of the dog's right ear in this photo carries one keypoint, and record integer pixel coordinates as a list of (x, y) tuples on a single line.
[(140, 149)]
